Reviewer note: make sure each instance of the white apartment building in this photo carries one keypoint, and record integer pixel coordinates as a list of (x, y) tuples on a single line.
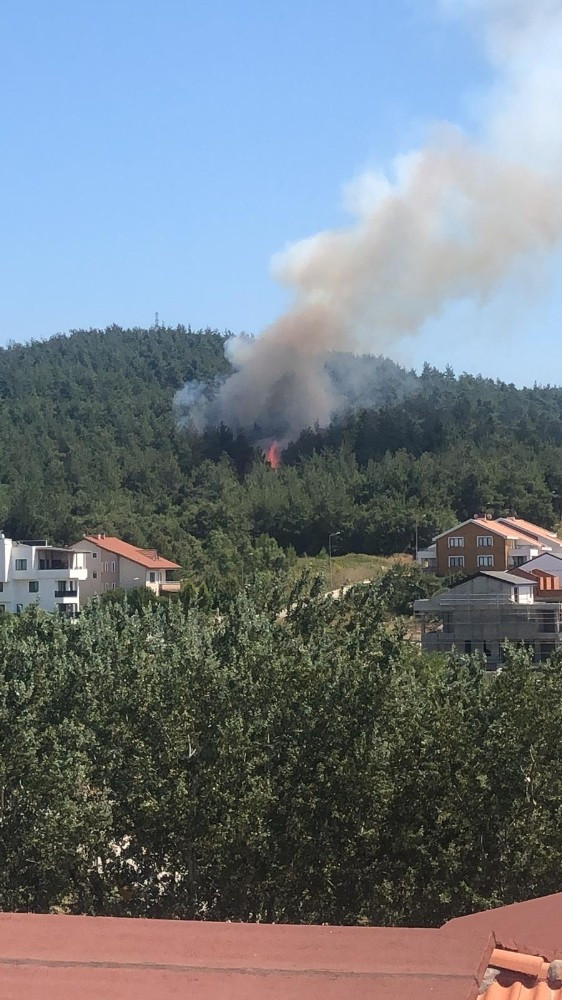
[(33, 572), (116, 565)]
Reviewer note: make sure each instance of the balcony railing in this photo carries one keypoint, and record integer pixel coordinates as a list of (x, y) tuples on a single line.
[(54, 564), (66, 593)]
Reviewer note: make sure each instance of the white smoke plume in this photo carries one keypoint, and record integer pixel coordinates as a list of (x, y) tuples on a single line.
[(446, 222)]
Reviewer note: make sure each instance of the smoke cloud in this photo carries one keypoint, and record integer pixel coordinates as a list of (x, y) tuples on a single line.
[(446, 222)]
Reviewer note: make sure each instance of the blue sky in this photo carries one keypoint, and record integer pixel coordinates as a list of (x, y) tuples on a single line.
[(156, 155)]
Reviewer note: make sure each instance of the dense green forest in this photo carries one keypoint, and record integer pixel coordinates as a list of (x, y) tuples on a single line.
[(319, 768), (163, 759), (90, 440)]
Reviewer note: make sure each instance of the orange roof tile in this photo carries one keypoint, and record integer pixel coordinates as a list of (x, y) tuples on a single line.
[(528, 528), (502, 529), (144, 557), (513, 975), (489, 525)]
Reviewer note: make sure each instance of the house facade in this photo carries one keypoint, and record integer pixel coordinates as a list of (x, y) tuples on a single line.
[(483, 543), (487, 610), (113, 564), (33, 572)]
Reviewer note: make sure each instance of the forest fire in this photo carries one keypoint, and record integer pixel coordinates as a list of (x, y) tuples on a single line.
[(273, 455)]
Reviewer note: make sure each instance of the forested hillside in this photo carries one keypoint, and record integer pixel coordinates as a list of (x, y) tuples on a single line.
[(89, 439)]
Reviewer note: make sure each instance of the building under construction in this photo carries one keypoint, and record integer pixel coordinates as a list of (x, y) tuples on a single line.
[(489, 609)]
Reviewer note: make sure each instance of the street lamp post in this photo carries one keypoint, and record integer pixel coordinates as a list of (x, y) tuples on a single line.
[(334, 534)]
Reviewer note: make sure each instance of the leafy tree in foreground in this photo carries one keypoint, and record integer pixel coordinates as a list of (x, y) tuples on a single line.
[(313, 767)]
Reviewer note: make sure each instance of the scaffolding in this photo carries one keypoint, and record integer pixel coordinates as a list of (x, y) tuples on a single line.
[(484, 623)]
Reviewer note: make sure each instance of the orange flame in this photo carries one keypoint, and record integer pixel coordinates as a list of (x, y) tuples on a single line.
[(273, 455)]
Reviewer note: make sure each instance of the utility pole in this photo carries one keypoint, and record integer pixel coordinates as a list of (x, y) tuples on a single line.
[(334, 534)]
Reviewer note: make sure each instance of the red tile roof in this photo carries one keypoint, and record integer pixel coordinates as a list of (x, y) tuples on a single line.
[(489, 525), (508, 531), (63, 957), (528, 528), (534, 927), (144, 557), (513, 975)]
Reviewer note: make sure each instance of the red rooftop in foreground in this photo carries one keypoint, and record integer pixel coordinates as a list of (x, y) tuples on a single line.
[(109, 958)]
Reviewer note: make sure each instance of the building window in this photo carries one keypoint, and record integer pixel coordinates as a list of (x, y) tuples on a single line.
[(113, 586), (484, 541), (456, 542), (1, 586), (468, 646), (152, 577), (485, 560), (519, 560), (19, 608), (34, 586), (2, 608), (94, 555), (456, 561), (21, 563), (549, 622), (113, 566), (95, 576)]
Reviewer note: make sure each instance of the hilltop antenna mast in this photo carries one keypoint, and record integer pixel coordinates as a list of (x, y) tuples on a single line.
[(156, 320)]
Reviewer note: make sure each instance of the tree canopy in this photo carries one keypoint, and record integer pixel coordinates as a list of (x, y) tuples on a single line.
[(317, 767)]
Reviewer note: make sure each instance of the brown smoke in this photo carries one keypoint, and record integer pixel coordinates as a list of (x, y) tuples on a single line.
[(450, 224)]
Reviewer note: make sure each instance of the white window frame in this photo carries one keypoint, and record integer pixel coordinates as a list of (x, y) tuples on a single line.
[(456, 562), (484, 561), (456, 541), (113, 566), (484, 541)]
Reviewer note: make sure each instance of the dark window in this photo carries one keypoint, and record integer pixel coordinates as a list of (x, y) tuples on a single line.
[(1, 586), (546, 650), (94, 555), (549, 623), (19, 607), (468, 646), (152, 577), (21, 563), (95, 576), (34, 586)]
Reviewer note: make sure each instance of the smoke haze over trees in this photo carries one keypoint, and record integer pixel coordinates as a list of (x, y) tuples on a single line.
[(444, 223)]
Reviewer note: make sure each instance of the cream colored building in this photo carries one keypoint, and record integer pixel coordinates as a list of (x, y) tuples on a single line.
[(116, 565)]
